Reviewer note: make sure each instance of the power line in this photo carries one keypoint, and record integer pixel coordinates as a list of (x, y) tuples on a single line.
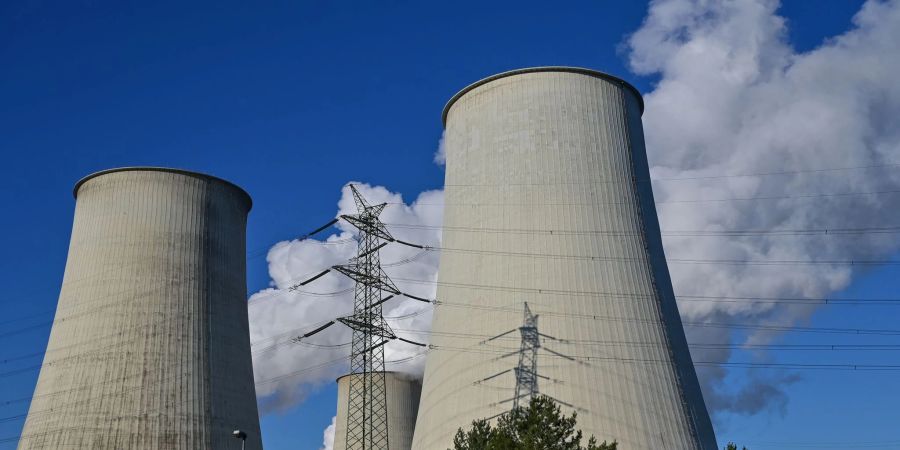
[(25, 329), (606, 258), (92, 342), (314, 327), (662, 202), (747, 365), (82, 311), (790, 300), (589, 358), (93, 310), (842, 445), (745, 232), (702, 345), (61, 318), (697, 344), (260, 251), (328, 363), (264, 250), (626, 295), (696, 177), (280, 378), (20, 436), (168, 379), (714, 345), (597, 317), (670, 260), (886, 165)]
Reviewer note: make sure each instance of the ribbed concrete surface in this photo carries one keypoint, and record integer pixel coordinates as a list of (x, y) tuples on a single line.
[(150, 346), (402, 404), (546, 185)]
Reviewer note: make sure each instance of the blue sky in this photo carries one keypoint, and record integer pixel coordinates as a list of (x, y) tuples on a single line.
[(291, 100)]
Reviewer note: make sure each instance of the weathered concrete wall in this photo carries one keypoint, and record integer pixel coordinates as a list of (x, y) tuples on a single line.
[(402, 405), (548, 201), (150, 346)]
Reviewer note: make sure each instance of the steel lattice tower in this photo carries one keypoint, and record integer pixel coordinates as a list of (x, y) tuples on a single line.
[(526, 371), (367, 427), (366, 413)]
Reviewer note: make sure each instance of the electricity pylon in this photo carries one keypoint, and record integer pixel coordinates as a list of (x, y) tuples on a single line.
[(367, 426)]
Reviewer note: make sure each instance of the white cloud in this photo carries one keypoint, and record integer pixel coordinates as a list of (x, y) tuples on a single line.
[(734, 97), (278, 315), (328, 435)]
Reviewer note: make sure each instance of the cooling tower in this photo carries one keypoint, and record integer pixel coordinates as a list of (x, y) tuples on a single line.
[(548, 202), (150, 346), (402, 404)]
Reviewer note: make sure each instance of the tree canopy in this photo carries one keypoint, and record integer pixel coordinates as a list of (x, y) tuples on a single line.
[(733, 446), (539, 426)]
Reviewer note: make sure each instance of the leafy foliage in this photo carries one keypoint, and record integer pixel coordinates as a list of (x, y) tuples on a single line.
[(732, 446), (539, 426)]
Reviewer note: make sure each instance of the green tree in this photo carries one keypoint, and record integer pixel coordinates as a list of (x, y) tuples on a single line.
[(539, 426), (732, 446)]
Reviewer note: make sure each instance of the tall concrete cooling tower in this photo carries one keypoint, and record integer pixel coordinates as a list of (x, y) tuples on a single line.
[(548, 202), (150, 346), (402, 404)]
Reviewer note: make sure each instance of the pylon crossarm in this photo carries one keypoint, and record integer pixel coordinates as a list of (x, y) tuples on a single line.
[(370, 227), (352, 271), (369, 252), (386, 283), (379, 302), (382, 283), (410, 244), (322, 328), (317, 230), (360, 325), (411, 342), (366, 350), (413, 297), (309, 280)]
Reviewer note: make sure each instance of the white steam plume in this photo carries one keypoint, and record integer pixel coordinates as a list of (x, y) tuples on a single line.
[(286, 371), (328, 435), (440, 156), (734, 97)]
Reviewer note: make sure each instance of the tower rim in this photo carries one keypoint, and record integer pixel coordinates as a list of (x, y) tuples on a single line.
[(386, 372), (185, 172), (564, 69)]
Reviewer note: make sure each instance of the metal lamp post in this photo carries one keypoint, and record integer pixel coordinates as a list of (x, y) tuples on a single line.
[(238, 434)]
